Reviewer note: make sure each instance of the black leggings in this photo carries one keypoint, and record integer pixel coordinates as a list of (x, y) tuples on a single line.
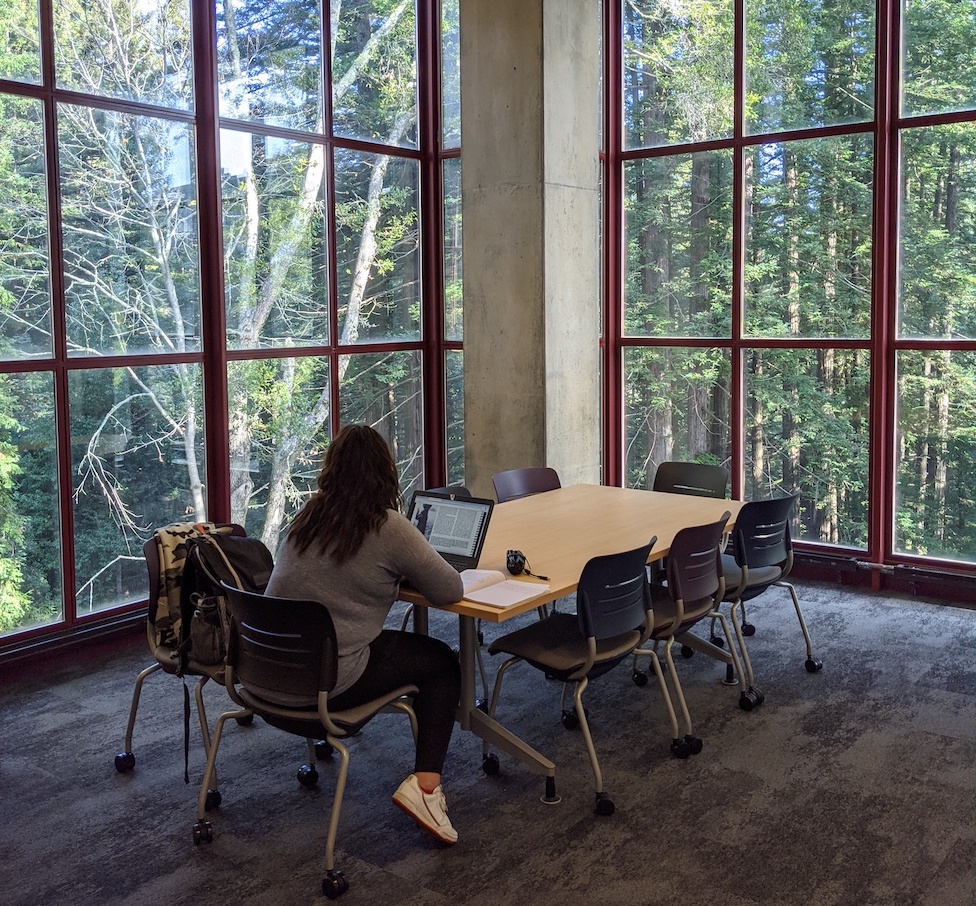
[(405, 658)]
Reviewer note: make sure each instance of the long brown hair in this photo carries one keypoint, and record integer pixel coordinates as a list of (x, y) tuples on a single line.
[(357, 485)]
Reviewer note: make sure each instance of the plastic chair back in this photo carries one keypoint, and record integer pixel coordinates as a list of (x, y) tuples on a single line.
[(516, 483), (613, 596), (281, 649), (695, 561), (695, 478), (458, 490), (762, 532)]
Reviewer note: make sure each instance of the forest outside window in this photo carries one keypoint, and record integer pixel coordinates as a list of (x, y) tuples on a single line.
[(210, 291)]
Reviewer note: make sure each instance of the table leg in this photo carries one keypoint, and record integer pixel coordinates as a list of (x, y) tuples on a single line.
[(473, 719), (703, 646)]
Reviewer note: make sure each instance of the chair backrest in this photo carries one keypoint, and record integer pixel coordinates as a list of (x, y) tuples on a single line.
[(762, 532), (613, 595), (458, 490), (695, 478), (695, 561), (281, 649), (517, 483)]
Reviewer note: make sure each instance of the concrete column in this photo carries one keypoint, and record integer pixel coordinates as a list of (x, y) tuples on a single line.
[(530, 199)]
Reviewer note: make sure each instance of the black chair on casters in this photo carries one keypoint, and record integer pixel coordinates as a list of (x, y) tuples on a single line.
[(516, 483), (762, 557), (613, 618), (696, 478), (281, 665), (694, 590)]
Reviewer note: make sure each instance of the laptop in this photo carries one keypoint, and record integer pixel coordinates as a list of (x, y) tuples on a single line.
[(455, 526)]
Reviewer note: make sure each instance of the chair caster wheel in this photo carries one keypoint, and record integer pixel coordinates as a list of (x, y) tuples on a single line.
[(640, 678), (125, 762), (680, 748), (694, 742), (748, 629), (604, 804), (245, 721), (687, 651), (813, 664), (751, 699), (323, 750), (213, 800), (717, 641), (571, 719), (334, 884), (202, 833), (308, 777), (490, 764)]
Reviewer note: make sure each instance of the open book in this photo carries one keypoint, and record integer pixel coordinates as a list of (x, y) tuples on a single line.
[(492, 587)]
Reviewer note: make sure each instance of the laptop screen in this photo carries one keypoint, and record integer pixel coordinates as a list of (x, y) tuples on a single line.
[(455, 526)]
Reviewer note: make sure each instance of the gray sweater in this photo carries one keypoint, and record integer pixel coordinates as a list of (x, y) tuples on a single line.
[(360, 592)]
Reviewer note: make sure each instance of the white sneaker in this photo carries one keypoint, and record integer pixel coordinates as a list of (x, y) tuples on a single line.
[(429, 810)]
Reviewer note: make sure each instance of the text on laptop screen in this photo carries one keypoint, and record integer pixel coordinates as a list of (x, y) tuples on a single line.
[(451, 526)]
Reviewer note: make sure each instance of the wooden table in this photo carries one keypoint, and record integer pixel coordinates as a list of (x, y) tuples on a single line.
[(559, 531)]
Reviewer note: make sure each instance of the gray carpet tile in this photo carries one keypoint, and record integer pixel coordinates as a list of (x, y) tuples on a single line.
[(853, 785)]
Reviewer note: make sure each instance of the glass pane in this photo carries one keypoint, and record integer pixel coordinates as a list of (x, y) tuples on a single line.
[(20, 58), (269, 62), (809, 63), (374, 72), (137, 462), (377, 247), (450, 74), (25, 286), (30, 554), (808, 240), (935, 512), (454, 406), (385, 390), (677, 71), (939, 70), (135, 51), (678, 213), (676, 406), (453, 273), (129, 210), (807, 432), (280, 416), (275, 241), (937, 272)]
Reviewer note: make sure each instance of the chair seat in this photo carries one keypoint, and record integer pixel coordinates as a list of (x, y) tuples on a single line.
[(556, 646), (762, 575), (302, 719), (666, 611), (168, 659)]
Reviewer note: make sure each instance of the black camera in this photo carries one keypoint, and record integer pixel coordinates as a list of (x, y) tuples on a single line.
[(515, 562)]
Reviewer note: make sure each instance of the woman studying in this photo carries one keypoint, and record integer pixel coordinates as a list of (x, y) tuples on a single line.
[(348, 548)]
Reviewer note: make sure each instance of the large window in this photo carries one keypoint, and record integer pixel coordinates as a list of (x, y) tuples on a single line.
[(796, 283), (200, 283)]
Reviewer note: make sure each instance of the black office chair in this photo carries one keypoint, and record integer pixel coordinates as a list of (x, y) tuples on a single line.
[(693, 592), (699, 479), (762, 557), (516, 483), (161, 634), (613, 618), (282, 663)]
